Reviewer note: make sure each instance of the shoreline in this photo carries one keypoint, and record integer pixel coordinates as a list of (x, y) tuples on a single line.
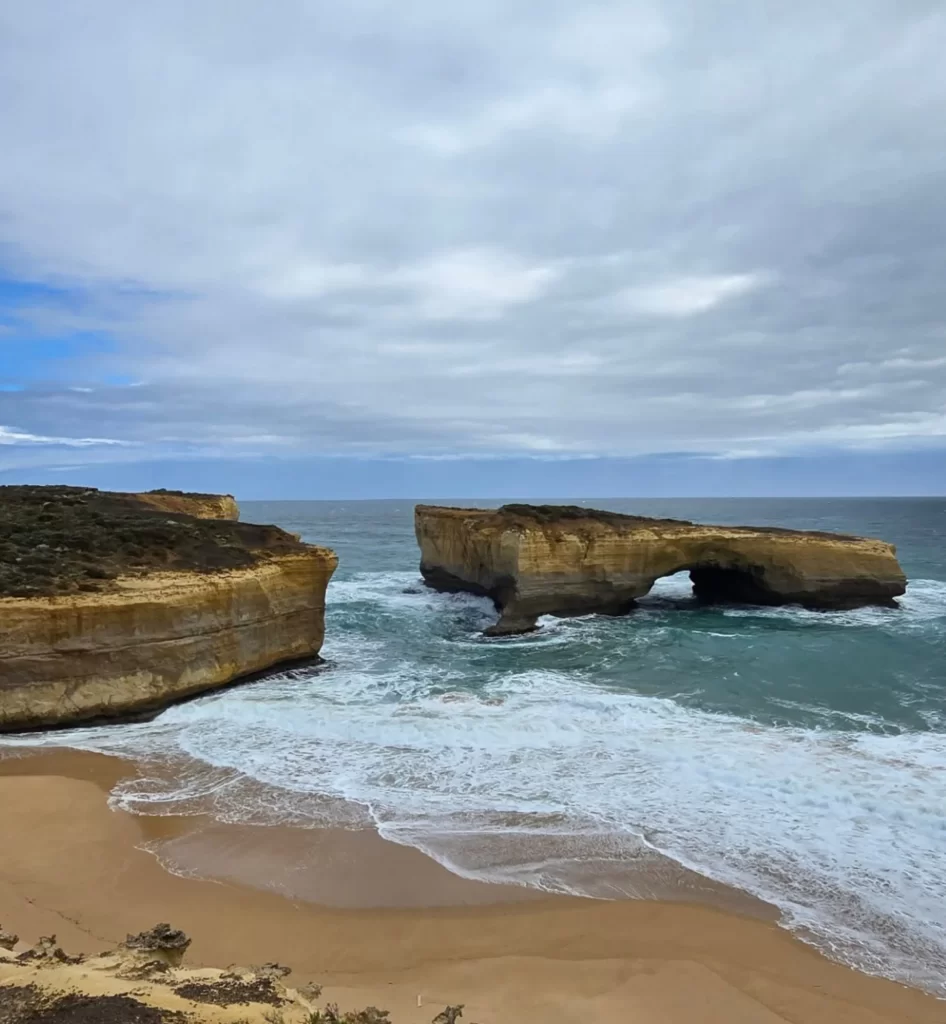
[(354, 866), (71, 866)]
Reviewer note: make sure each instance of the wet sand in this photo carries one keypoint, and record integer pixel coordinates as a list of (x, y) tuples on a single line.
[(392, 928)]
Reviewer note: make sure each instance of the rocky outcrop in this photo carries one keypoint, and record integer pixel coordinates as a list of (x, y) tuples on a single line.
[(204, 506), (145, 981), (133, 608), (566, 560), (155, 638), (56, 540), (162, 944)]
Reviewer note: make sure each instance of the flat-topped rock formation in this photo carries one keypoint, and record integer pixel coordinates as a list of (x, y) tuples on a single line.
[(110, 603), (566, 560), (204, 506)]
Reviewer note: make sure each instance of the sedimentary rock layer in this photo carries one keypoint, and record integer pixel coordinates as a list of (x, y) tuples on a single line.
[(155, 638), (204, 506), (566, 560), (113, 603)]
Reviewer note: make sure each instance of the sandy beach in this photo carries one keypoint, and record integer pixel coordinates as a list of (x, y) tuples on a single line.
[(403, 933)]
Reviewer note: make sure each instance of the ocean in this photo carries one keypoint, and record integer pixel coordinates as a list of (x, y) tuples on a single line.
[(797, 756)]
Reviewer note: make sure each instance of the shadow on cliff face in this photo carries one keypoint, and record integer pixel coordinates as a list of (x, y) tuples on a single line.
[(59, 540)]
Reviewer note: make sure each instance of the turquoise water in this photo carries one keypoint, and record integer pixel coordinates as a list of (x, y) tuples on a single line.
[(800, 756)]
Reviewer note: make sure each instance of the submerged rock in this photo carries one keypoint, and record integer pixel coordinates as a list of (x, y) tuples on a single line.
[(534, 560), (113, 603)]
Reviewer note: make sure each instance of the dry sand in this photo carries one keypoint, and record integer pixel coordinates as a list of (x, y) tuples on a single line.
[(71, 866)]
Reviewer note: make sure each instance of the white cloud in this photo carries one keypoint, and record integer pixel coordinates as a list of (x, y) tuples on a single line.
[(628, 228), (313, 280), (737, 454), (884, 366), (689, 296), (475, 283), (593, 73), (590, 113), (531, 443), (19, 437)]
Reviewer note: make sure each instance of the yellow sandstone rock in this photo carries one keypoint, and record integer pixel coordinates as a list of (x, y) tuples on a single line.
[(156, 638), (204, 506), (234, 599), (566, 560)]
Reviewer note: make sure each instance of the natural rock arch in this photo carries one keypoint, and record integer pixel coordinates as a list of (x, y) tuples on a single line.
[(728, 579), (565, 560)]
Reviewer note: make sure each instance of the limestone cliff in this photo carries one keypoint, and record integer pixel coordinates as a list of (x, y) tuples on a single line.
[(204, 506), (57, 540), (155, 638), (125, 607), (566, 560)]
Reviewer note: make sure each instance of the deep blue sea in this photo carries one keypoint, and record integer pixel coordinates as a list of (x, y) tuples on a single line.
[(798, 756)]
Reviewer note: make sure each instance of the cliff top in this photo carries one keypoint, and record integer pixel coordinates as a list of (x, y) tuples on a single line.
[(58, 540), (187, 494), (576, 515), (550, 514)]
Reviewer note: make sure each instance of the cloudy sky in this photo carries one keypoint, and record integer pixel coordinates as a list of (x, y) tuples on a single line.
[(306, 248)]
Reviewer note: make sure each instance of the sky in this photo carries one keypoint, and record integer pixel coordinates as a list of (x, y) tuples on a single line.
[(490, 247)]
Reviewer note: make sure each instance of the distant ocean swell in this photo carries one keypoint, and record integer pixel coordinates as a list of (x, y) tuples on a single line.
[(540, 761)]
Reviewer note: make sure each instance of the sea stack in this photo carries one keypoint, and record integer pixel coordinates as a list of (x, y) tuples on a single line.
[(567, 560), (113, 603)]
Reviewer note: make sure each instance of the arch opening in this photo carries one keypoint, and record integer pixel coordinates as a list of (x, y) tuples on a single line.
[(718, 584), (713, 584)]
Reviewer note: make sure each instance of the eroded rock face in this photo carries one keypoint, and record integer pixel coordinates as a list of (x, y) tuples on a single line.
[(127, 610), (161, 944), (566, 560), (156, 638), (204, 506)]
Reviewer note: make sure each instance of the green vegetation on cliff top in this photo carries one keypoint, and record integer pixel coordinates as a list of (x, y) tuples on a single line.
[(61, 540)]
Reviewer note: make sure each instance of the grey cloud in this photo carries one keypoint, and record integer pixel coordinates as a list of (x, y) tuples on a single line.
[(484, 227)]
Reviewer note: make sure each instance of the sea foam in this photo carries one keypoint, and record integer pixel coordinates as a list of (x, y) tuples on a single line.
[(516, 774)]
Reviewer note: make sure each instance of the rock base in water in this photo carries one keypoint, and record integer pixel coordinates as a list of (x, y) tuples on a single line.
[(566, 560), (110, 605)]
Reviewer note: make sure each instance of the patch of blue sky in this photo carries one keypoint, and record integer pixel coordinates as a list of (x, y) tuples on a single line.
[(16, 291), (31, 352), (27, 358)]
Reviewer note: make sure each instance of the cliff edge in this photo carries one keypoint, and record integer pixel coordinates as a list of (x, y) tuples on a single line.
[(110, 603), (566, 560), (204, 506)]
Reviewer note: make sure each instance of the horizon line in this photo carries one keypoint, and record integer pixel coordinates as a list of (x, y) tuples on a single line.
[(635, 497)]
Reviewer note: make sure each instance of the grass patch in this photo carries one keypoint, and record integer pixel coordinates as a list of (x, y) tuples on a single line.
[(64, 540)]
